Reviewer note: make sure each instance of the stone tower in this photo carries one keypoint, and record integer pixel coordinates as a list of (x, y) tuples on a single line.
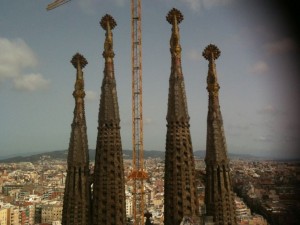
[(77, 197), (180, 198), (109, 187), (219, 198)]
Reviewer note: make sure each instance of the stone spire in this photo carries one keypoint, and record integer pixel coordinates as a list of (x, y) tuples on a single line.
[(180, 187), (219, 198), (76, 205), (109, 187)]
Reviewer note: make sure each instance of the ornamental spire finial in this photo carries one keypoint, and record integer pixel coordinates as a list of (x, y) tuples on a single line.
[(175, 17), (211, 53), (108, 23), (174, 14), (78, 60)]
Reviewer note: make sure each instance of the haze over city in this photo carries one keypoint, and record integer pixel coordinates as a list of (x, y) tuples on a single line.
[(257, 72)]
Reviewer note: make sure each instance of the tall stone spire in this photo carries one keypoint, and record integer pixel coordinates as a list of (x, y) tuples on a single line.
[(109, 187), (180, 187), (219, 198), (76, 205)]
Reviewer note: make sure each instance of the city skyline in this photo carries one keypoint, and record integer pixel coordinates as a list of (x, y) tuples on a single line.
[(257, 71)]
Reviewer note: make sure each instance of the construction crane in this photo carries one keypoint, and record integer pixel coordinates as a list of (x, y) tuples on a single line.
[(56, 3), (138, 174)]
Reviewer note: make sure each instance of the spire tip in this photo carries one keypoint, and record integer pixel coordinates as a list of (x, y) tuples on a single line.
[(108, 19), (79, 58), (211, 52), (174, 13)]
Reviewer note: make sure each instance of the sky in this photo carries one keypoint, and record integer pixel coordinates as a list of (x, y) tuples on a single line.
[(258, 72)]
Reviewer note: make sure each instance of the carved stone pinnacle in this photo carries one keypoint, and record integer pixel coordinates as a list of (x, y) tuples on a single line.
[(108, 19), (79, 58), (174, 13), (211, 52)]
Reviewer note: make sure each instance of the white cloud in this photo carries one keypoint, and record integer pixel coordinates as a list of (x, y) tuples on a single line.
[(197, 5), (267, 109), (91, 96), (194, 5), (30, 82), (119, 2), (239, 127), (260, 67), (263, 138), (211, 3), (16, 57), (270, 110), (148, 121), (281, 46), (89, 6), (194, 55)]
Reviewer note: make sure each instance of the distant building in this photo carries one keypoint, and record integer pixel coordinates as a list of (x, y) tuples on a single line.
[(13, 215), (38, 214), (3, 216), (51, 213), (24, 215), (31, 214), (244, 216), (7, 188), (129, 206)]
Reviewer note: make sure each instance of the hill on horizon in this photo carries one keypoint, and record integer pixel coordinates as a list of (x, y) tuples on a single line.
[(127, 154)]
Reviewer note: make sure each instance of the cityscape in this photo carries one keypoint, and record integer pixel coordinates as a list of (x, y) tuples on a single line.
[(266, 191)]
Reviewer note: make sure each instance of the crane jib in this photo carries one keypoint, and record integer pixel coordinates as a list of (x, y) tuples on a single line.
[(56, 3)]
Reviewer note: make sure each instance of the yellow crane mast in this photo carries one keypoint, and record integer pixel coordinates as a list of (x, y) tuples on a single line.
[(138, 174)]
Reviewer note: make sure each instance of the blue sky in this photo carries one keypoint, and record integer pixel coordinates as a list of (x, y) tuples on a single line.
[(257, 72)]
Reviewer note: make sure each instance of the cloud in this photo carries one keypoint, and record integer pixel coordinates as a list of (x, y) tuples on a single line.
[(90, 6), (260, 68), (16, 57), (87, 6), (194, 55), (194, 5), (282, 46), (239, 127), (119, 3), (211, 3), (148, 121), (269, 110), (197, 5), (292, 125), (30, 82), (291, 138), (91, 96), (263, 138)]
